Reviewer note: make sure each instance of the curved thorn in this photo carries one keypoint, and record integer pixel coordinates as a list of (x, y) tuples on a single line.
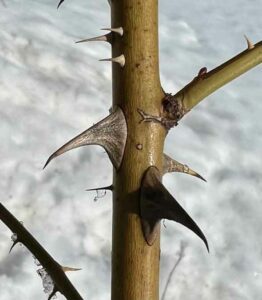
[(54, 291), (110, 133), (15, 242), (109, 188), (250, 45), (156, 203), (171, 165), (101, 38), (118, 30), (60, 2), (119, 59)]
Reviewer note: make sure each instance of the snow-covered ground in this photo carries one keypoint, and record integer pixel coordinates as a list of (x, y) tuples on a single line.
[(51, 89)]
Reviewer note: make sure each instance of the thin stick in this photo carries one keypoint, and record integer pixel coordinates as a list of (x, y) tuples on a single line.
[(61, 282)]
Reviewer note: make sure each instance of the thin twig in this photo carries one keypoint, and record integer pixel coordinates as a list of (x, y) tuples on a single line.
[(53, 268), (180, 256)]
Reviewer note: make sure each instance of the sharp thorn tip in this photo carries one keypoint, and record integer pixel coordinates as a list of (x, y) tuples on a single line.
[(13, 246), (250, 45)]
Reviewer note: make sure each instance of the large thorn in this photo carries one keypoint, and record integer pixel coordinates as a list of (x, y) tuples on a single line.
[(157, 203), (110, 133), (101, 38), (119, 59), (118, 30), (171, 165)]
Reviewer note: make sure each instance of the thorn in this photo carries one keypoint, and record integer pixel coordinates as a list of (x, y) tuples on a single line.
[(156, 203), (119, 59), (60, 2), (101, 38), (69, 269), (54, 291), (250, 45), (171, 165), (109, 188), (118, 30), (110, 133), (15, 242)]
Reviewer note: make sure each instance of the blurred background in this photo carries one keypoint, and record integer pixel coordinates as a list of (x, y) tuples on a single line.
[(52, 89)]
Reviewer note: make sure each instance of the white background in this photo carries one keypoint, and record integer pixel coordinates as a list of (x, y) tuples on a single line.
[(52, 89)]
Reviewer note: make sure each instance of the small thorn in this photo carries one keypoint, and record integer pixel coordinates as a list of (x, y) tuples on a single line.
[(69, 269), (118, 30), (119, 59), (49, 159), (101, 38), (202, 72), (109, 188), (171, 165), (60, 2), (15, 242), (250, 45), (54, 291)]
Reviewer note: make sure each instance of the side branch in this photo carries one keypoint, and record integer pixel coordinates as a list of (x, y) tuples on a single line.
[(53, 268), (205, 84)]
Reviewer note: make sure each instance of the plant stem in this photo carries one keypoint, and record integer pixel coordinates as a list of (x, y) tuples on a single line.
[(135, 265)]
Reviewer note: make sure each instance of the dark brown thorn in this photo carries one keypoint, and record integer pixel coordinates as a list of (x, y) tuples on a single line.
[(14, 243), (54, 291), (109, 188), (60, 2), (110, 133), (171, 165), (156, 203)]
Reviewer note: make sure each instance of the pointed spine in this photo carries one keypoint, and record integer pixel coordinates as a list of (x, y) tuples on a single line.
[(14, 243), (171, 165), (250, 45), (69, 269), (118, 30), (110, 133), (156, 203), (100, 38), (108, 188), (119, 59)]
